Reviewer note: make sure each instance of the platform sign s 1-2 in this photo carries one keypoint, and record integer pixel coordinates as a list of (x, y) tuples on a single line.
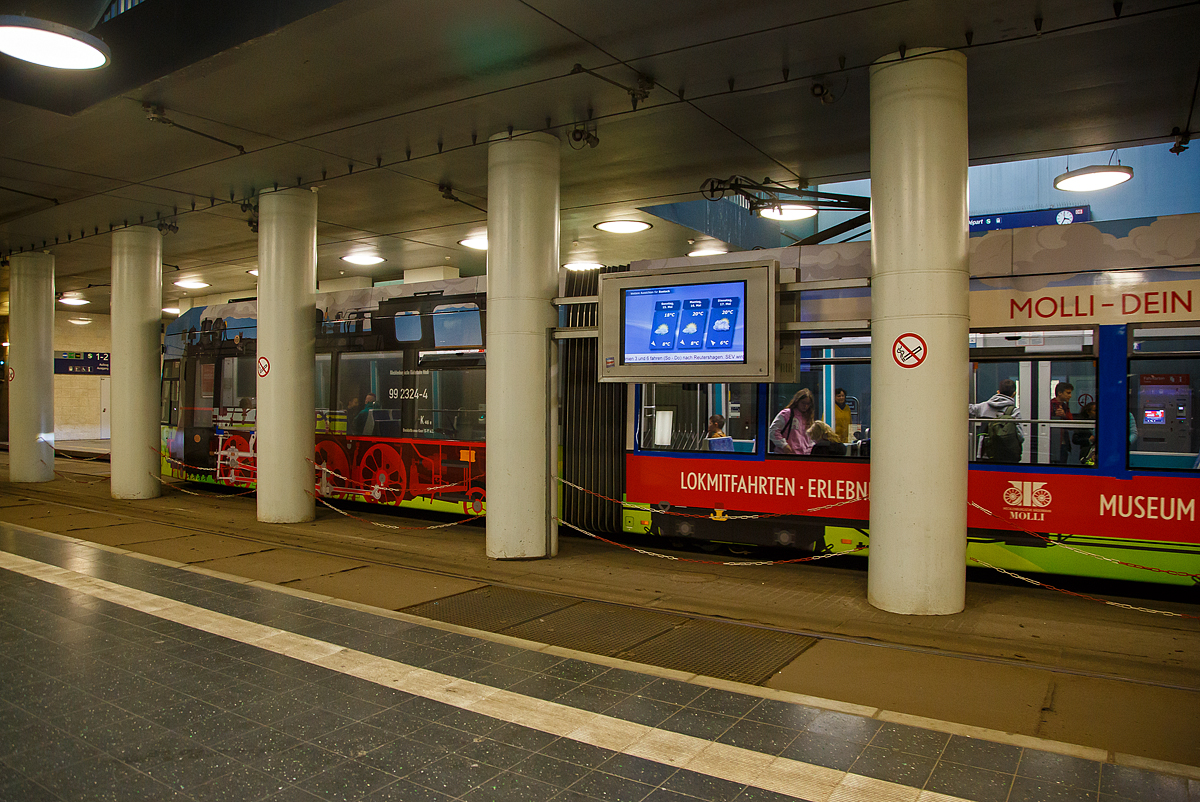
[(85, 363)]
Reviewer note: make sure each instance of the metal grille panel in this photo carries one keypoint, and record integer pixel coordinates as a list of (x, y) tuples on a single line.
[(725, 651), (596, 628), (491, 608), (592, 418)]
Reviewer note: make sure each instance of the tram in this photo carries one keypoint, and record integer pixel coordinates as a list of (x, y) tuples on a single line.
[(398, 385), (1098, 339), (1108, 489)]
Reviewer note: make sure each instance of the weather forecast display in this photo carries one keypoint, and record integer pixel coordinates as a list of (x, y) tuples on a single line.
[(684, 323)]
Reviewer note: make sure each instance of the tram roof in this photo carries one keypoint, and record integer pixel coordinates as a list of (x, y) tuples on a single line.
[(407, 95)]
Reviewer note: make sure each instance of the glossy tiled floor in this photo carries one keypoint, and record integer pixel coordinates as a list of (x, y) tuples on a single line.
[(122, 679)]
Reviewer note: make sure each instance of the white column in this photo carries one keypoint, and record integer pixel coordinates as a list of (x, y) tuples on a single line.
[(286, 416), (522, 282), (919, 288), (136, 363), (31, 368)]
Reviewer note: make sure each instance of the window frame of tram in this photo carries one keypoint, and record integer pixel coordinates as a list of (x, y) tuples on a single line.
[(675, 416), (1163, 383), (823, 362), (1040, 363)]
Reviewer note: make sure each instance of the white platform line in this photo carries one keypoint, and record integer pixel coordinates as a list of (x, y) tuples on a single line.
[(743, 766)]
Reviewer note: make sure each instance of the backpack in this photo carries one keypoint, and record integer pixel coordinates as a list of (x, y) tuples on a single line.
[(1002, 443)]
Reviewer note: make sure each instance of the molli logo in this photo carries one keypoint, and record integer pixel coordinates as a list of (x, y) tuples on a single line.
[(1027, 501)]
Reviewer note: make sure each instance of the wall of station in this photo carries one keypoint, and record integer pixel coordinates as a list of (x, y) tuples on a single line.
[(80, 401)]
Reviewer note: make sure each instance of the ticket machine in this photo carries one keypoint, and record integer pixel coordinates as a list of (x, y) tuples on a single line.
[(1164, 412)]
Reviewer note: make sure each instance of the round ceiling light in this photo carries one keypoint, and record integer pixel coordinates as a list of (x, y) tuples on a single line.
[(51, 44), (478, 243), (253, 272), (788, 211), (81, 321), (363, 259), (578, 266), (74, 301), (622, 226), (1089, 179), (191, 284)]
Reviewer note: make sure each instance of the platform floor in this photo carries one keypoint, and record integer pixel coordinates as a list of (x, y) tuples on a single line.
[(175, 646)]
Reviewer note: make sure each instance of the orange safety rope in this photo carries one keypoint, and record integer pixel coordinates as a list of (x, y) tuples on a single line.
[(1109, 602)]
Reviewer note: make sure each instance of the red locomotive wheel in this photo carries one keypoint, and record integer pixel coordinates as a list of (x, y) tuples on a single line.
[(381, 474), (239, 464), (333, 469)]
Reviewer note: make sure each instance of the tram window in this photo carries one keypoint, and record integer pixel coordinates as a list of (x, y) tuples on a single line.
[(238, 383), (822, 364), (1055, 400), (408, 326), (1182, 339), (456, 325), (202, 397), (677, 417), (322, 379), (169, 404), (1081, 341), (1162, 401), (833, 346), (360, 380)]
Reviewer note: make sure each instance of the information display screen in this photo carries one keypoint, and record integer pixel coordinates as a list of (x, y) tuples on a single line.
[(684, 323), (688, 323)]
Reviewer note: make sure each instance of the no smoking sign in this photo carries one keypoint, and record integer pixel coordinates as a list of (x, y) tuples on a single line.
[(264, 367), (909, 350)]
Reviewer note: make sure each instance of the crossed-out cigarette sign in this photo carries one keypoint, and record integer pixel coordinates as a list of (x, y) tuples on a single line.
[(909, 350), (264, 366)]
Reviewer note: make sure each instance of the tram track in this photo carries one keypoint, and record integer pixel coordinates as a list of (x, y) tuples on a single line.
[(324, 542)]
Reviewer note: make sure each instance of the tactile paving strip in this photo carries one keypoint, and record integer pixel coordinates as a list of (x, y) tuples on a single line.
[(596, 628), (491, 608), (717, 649)]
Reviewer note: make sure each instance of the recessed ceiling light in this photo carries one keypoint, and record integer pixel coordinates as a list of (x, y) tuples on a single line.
[(363, 259), (583, 265), (51, 44), (253, 272), (170, 310), (191, 284), (622, 226), (1089, 179), (81, 321), (478, 243), (707, 250), (74, 301), (788, 211)]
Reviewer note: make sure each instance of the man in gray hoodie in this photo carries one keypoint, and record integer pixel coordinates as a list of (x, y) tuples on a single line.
[(1002, 441)]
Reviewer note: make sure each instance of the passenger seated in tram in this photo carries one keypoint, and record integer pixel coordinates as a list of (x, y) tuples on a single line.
[(789, 429), (716, 426), (825, 441)]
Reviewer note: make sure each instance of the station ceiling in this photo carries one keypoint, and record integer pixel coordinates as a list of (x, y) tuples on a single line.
[(380, 104)]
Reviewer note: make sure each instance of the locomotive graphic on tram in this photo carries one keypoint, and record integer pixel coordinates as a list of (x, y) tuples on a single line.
[(1097, 333), (398, 385)]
